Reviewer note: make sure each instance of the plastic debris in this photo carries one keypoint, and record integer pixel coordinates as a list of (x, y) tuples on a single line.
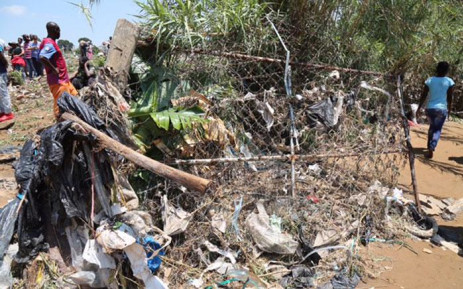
[(301, 277), (236, 215), (267, 112), (6, 280), (8, 217), (213, 248), (275, 223), (250, 280), (83, 277), (175, 220), (137, 257), (153, 251), (264, 235), (218, 222), (93, 253), (113, 240), (326, 112)]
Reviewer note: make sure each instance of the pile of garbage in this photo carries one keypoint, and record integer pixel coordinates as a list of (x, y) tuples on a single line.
[(75, 206), (78, 222)]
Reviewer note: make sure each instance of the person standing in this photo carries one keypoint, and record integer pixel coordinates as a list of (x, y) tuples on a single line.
[(30, 70), (440, 90), (55, 66), (5, 101), (35, 51)]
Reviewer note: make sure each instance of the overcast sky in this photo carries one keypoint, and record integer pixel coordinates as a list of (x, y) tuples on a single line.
[(19, 17)]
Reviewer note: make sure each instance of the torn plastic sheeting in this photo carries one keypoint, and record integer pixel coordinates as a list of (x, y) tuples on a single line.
[(301, 277), (153, 251), (6, 279), (342, 281), (267, 112), (93, 253), (7, 220), (218, 222), (264, 235), (113, 240), (325, 112), (137, 257), (175, 220), (83, 277), (213, 248), (220, 266), (236, 215), (139, 221), (77, 238)]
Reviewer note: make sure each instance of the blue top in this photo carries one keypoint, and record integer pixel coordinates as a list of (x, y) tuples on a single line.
[(438, 87), (48, 51), (2, 48), (35, 53)]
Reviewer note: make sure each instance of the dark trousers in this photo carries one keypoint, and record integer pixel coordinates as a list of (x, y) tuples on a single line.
[(37, 66), (436, 119), (30, 68)]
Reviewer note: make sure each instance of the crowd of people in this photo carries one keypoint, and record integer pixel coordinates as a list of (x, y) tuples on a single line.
[(24, 56), (31, 56)]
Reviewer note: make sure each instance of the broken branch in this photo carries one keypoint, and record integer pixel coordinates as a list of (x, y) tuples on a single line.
[(188, 180)]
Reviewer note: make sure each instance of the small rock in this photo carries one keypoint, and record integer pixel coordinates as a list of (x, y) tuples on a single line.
[(427, 251)]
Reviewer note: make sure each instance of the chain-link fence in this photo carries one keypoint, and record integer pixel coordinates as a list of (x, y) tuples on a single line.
[(336, 118)]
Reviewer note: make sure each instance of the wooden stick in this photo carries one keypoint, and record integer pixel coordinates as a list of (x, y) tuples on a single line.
[(282, 158), (411, 154), (274, 60), (188, 180)]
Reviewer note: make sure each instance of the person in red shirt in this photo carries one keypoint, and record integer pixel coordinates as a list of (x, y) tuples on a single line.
[(55, 66)]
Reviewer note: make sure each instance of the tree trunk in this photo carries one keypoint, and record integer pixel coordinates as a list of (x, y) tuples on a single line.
[(121, 50)]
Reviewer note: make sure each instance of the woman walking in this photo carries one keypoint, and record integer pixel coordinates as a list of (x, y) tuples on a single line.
[(440, 90)]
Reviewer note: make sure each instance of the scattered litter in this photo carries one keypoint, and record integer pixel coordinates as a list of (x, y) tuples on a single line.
[(218, 222), (267, 113), (266, 238), (175, 220), (213, 248), (301, 277), (153, 251), (236, 215), (93, 253)]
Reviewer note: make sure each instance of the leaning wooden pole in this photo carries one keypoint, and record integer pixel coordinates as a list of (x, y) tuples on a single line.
[(188, 180), (411, 154)]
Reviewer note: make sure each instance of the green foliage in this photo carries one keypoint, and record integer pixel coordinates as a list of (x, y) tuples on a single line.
[(192, 24), (153, 115), (16, 77), (65, 45), (99, 61), (85, 39), (178, 118)]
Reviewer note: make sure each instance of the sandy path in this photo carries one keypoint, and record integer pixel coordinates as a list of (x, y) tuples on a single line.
[(441, 177)]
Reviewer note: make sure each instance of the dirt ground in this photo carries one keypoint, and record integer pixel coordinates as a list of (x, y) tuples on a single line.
[(33, 108), (440, 177)]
